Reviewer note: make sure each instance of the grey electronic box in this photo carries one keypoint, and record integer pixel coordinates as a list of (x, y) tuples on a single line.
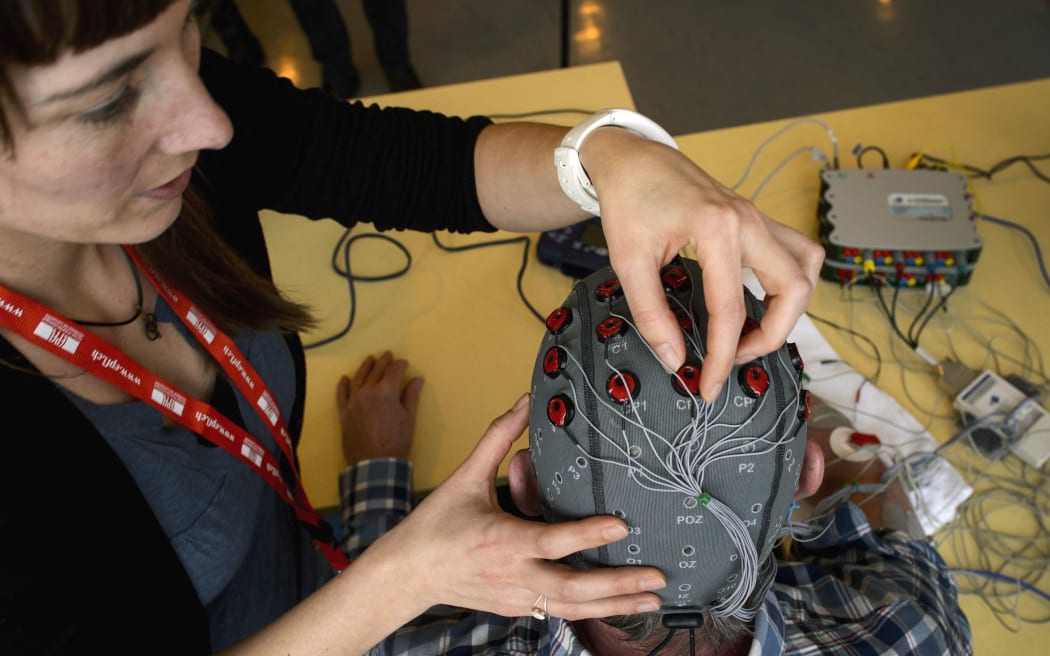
[(901, 227)]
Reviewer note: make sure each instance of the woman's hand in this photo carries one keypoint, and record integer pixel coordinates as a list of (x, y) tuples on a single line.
[(377, 410), (655, 201), (457, 547), (460, 548)]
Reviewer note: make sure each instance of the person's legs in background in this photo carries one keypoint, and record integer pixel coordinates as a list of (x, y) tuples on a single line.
[(325, 28), (389, 22), (241, 44), (329, 40)]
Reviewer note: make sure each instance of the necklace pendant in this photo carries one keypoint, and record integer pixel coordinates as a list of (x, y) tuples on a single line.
[(149, 321)]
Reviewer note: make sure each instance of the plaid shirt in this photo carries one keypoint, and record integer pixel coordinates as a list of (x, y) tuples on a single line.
[(851, 591)]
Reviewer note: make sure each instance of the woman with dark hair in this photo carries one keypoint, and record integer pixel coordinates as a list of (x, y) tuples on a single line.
[(152, 378)]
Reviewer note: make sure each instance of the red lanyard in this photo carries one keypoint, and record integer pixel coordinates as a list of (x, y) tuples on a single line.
[(59, 335)]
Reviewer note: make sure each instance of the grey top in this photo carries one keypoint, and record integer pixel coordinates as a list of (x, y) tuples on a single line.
[(240, 543)]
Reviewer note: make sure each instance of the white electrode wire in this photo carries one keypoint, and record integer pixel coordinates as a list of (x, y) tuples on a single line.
[(632, 465), (807, 531), (656, 481), (784, 162), (1001, 565), (727, 446), (846, 408), (741, 539), (686, 458), (980, 330), (731, 448), (792, 124), (693, 334), (1030, 362), (949, 320), (1037, 363)]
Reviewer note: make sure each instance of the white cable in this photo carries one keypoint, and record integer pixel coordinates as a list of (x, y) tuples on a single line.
[(784, 162), (792, 124)]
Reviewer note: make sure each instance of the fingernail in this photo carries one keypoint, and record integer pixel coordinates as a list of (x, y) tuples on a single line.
[(648, 607), (614, 533), (653, 583), (521, 402), (667, 358), (715, 391)]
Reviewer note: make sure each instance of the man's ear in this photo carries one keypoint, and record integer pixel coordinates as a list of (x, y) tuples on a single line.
[(812, 471), (521, 477)]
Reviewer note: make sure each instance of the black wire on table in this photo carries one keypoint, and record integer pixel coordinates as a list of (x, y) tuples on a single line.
[(976, 172), (922, 318), (925, 306), (342, 248), (871, 343), (524, 239), (859, 152), (341, 255), (877, 289), (926, 320), (1031, 238)]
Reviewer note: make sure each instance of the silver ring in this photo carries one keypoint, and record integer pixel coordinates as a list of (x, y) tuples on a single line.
[(537, 612)]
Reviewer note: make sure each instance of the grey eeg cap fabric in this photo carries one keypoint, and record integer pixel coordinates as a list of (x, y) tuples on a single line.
[(612, 432)]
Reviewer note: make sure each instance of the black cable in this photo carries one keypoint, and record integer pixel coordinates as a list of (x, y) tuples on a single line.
[(972, 170), (138, 302), (663, 643), (926, 313), (342, 252), (896, 293), (859, 152), (566, 20), (911, 328), (524, 239), (941, 304), (877, 289), (1031, 238), (1026, 160), (343, 247), (874, 348), (975, 172)]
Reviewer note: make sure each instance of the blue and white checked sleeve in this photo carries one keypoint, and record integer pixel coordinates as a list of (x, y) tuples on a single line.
[(375, 495), (855, 590)]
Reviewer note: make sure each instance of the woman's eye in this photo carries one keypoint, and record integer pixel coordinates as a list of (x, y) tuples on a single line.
[(113, 110)]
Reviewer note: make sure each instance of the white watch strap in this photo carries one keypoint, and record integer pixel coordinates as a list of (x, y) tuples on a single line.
[(573, 179)]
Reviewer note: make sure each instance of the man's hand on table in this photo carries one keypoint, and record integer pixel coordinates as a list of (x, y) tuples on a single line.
[(377, 409)]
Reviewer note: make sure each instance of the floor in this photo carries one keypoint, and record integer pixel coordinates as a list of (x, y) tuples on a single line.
[(696, 65)]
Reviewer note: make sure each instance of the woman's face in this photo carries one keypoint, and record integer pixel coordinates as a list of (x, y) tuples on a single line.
[(104, 148)]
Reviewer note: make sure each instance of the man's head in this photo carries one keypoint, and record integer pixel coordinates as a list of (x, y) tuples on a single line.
[(706, 489)]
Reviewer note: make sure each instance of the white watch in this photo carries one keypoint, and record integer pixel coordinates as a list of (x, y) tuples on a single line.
[(573, 179)]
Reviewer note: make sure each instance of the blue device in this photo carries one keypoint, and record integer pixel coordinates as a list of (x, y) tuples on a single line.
[(578, 250)]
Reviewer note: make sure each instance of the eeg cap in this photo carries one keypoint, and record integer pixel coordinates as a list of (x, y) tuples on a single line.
[(705, 489)]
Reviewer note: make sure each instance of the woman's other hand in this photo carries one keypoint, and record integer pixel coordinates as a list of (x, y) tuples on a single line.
[(458, 547)]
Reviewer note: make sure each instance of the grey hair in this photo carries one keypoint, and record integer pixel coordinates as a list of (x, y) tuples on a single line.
[(714, 631)]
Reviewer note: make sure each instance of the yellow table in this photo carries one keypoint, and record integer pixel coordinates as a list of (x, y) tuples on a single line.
[(458, 320)]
